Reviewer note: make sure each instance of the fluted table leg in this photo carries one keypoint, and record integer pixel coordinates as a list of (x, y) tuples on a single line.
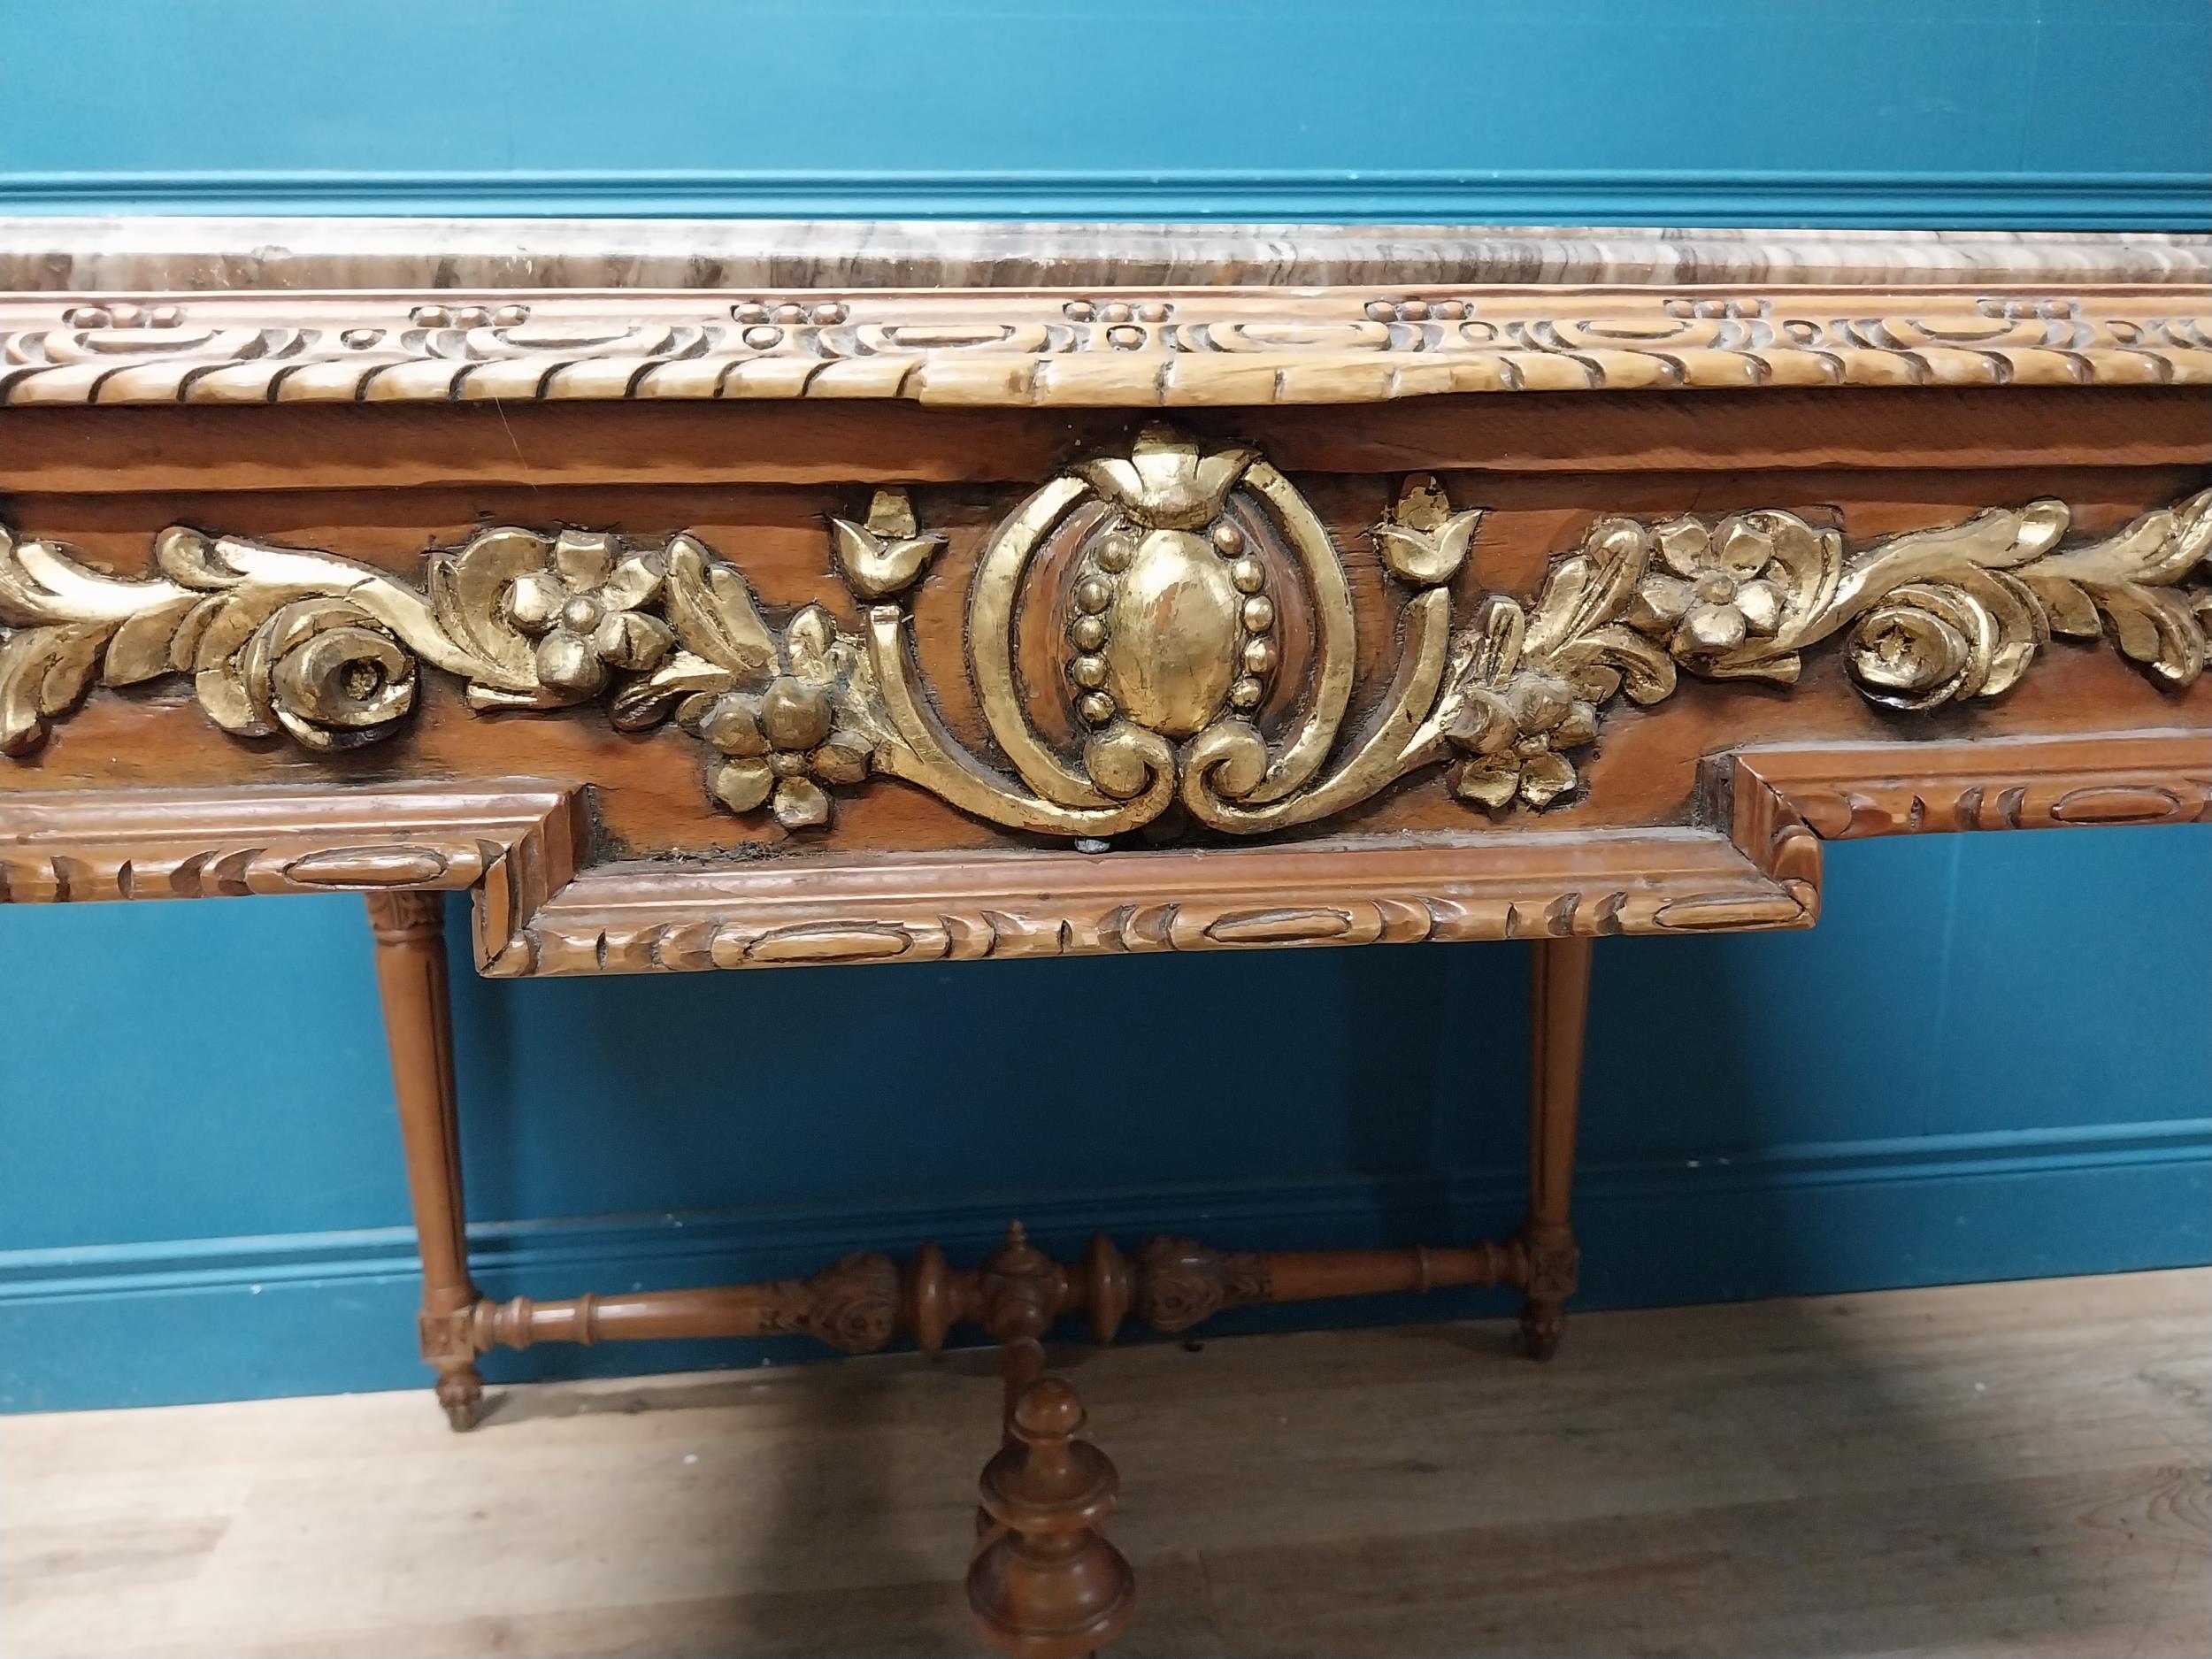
[(410, 974), (1559, 1001)]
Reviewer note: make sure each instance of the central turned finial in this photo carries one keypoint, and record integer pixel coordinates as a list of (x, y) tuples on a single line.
[(1044, 1584)]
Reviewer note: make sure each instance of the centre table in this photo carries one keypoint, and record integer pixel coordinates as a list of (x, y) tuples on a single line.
[(698, 595)]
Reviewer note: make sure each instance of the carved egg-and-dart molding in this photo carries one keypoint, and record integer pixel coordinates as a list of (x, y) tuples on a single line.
[(1169, 576)]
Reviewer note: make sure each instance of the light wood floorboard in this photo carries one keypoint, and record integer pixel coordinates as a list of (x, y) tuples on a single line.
[(2001, 1470)]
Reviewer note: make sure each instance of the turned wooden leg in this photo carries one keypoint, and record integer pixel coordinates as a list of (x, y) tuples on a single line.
[(1044, 1584), (410, 974), (1559, 1000)]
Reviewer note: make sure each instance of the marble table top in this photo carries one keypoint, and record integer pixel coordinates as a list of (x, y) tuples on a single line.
[(199, 254)]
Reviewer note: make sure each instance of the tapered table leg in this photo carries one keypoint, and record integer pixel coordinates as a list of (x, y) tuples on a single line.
[(1559, 1001), (410, 974)]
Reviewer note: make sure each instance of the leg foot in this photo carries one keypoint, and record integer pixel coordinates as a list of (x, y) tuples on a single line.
[(461, 1392), (1542, 1323), (1044, 1584)]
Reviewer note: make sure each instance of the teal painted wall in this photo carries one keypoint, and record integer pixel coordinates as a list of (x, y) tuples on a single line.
[(1992, 1059), (1944, 113)]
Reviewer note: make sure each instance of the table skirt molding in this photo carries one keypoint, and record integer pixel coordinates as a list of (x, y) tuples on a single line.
[(1135, 346), (514, 850)]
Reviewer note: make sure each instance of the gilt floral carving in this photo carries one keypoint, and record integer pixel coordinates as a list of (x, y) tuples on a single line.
[(588, 612), (782, 741), (1177, 566)]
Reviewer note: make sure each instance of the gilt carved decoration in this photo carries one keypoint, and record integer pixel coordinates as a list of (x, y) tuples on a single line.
[(1170, 574)]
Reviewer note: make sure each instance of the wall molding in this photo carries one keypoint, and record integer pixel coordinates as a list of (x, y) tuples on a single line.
[(1843, 199)]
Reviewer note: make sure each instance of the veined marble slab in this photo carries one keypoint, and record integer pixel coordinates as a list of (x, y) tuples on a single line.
[(136, 255)]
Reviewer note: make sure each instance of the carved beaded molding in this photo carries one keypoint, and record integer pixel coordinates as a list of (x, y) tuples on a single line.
[(1164, 573), (1219, 347)]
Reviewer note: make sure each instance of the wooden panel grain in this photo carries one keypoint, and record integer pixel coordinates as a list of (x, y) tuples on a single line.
[(491, 443)]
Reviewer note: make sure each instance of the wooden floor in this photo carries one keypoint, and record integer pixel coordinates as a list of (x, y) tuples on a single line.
[(1995, 1470)]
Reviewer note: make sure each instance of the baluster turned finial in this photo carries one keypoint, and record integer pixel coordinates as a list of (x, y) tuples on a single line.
[(1044, 1583)]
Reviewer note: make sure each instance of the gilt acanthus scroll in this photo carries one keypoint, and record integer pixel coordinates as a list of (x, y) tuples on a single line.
[(1202, 640)]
